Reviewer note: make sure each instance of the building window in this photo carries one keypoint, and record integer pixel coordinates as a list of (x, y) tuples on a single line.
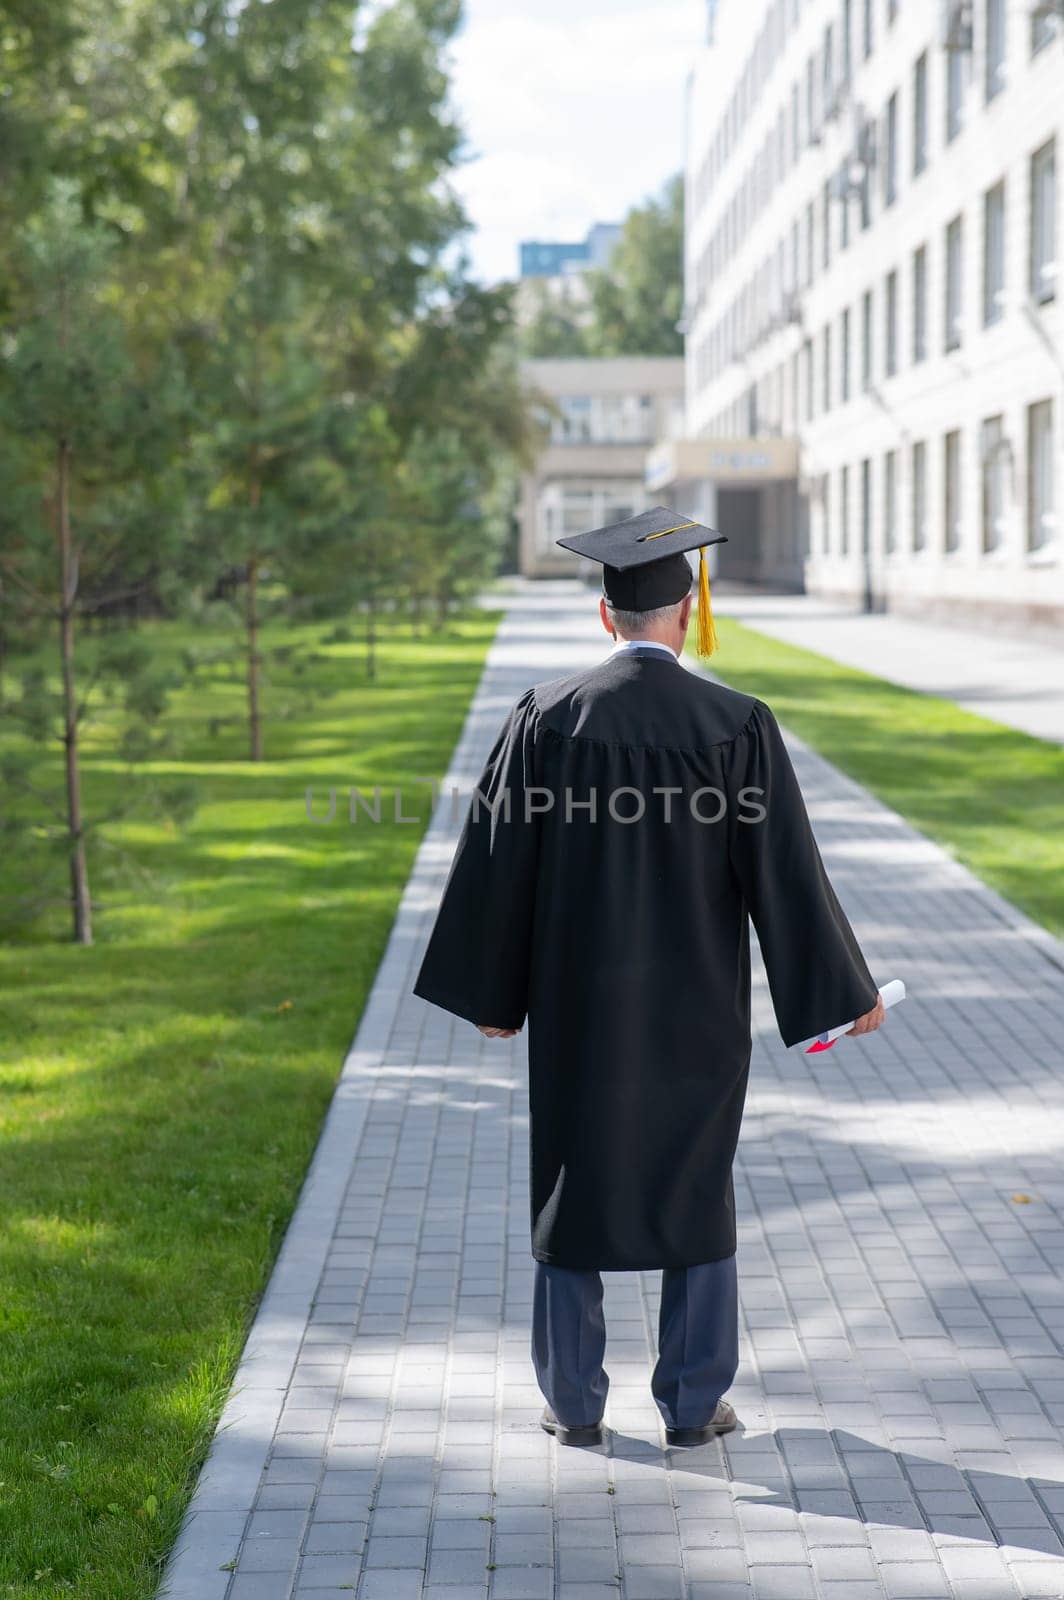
[(577, 505), (847, 41), (920, 304), (1041, 499), (807, 370), (866, 506), (844, 358), (919, 487), (994, 255), (951, 475), (604, 419), (825, 513), (869, 29), (954, 282), (890, 502), (890, 342), (574, 425), (866, 341), (826, 370), (920, 115), (958, 77), (995, 47), (825, 256), (844, 511), (1045, 26), (994, 456), (810, 243), (865, 198), (890, 155), (844, 209), (1044, 223)]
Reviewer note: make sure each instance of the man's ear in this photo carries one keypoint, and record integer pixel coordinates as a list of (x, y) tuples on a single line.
[(605, 618), (685, 611)]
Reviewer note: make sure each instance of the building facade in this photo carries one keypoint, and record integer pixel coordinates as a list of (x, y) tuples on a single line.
[(871, 268), (600, 418), (549, 258)]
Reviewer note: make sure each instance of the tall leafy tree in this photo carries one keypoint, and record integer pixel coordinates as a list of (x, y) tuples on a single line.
[(90, 431), (637, 301), (554, 326)]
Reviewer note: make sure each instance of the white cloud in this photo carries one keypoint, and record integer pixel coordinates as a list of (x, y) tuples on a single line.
[(572, 114)]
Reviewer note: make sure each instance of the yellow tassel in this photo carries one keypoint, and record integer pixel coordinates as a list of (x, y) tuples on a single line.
[(707, 633)]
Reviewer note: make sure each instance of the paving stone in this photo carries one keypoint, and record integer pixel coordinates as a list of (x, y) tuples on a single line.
[(847, 1562), (522, 1583), (335, 1538), (849, 1590), (458, 1566), (782, 1583), (284, 1524), (908, 1579), (394, 1584), (455, 1591), (269, 1555), (328, 1571), (719, 1591), (653, 1583), (284, 1496), (260, 1586)]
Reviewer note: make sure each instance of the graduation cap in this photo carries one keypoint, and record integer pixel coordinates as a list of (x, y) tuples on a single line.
[(644, 563)]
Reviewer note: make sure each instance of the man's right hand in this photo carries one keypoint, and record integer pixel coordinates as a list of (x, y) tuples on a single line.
[(497, 1033), (870, 1021)]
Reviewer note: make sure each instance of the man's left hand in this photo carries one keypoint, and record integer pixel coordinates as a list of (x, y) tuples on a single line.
[(870, 1021), (497, 1033)]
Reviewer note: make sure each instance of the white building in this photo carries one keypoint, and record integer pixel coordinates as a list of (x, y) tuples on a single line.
[(871, 270), (600, 418)]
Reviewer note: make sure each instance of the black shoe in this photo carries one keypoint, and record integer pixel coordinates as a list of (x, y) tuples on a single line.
[(589, 1433), (723, 1420)]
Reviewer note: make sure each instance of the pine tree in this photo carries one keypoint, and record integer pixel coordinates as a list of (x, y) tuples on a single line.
[(89, 431)]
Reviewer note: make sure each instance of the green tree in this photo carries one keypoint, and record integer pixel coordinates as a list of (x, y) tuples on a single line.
[(465, 424), (265, 396), (554, 326), (637, 301), (348, 552), (91, 433)]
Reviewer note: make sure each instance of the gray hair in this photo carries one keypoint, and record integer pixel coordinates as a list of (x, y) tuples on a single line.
[(632, 622)]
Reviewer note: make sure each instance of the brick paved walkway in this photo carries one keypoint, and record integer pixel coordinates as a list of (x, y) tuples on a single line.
[(902, 1378)]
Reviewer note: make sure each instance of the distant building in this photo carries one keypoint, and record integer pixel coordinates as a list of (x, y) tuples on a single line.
[(592, 467), (551, 259), (875, 316)]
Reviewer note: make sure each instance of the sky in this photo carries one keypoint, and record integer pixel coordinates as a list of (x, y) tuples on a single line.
[(573, 111)]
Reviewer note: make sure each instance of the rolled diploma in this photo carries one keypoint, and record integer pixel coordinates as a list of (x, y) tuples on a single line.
[(890, 994)]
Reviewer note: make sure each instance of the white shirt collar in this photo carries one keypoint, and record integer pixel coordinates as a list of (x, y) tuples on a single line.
[(623, 646)]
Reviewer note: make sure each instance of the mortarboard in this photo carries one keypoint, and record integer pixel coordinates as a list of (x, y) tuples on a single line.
[(644, 563)]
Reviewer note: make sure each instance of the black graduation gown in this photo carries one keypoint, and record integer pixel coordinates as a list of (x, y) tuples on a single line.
[(625, 943)]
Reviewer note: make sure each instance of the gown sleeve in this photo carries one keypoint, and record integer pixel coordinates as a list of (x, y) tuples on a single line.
[(478, 957), (816, 972)]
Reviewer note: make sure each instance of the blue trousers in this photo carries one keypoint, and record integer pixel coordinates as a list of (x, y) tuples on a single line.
[(698, 1342)]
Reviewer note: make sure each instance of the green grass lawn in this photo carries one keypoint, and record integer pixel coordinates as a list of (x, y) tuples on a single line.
[(161, 1092), (994, 798)]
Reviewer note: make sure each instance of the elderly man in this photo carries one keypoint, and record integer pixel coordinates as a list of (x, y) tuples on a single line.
[(628, 823)]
